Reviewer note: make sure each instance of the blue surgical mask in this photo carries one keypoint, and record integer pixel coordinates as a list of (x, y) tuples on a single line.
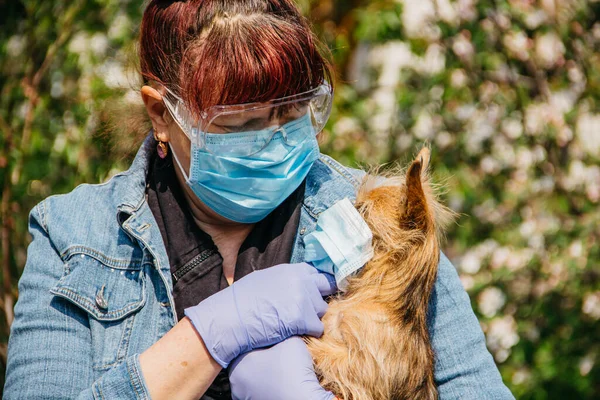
[(246, 189), (341, 244)]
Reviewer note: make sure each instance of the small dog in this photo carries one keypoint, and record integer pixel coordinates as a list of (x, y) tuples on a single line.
[(376, 343)]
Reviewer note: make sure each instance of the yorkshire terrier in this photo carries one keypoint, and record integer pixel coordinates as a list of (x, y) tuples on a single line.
[(376, 344)]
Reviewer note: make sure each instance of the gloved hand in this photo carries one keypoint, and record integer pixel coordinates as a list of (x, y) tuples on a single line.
[(284, 371), (261, 309)]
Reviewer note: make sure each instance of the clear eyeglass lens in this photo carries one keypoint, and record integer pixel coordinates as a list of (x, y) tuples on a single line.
[(251, 141), (249, 131), (256, 120)]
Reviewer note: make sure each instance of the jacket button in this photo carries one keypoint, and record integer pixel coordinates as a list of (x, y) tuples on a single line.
[(100, 300)]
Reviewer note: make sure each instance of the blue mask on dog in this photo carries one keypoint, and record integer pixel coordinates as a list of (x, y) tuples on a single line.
[(342, 243)]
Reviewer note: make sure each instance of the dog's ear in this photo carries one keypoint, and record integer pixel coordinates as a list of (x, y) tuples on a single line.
[(416, 210)]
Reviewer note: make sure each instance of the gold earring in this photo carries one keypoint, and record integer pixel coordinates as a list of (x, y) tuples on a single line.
[(162, 148)]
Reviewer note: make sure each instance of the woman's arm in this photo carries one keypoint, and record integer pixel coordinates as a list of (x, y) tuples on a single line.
[(178, 366), (464, 369), (50, 346), (51, 352)]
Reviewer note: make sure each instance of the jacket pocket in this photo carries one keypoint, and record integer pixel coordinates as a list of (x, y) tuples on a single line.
[(110, 292)]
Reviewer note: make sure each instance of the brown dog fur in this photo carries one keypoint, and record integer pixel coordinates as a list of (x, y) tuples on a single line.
[(376, 343)]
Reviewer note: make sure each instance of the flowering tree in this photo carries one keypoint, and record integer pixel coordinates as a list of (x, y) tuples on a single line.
[(506, 93)]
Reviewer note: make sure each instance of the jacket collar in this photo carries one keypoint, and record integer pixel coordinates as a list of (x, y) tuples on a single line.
[(134, 195)]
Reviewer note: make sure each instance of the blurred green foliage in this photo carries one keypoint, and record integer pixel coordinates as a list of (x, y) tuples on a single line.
[(506, 92)]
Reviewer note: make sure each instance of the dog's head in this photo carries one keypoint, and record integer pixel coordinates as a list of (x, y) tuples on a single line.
[(402, 209)]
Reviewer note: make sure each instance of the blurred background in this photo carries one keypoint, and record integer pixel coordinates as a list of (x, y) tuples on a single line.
[(507, 92)]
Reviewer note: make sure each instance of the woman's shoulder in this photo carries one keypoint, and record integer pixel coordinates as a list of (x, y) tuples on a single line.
[(90, 204), (89, 200), (328, 182), (352, 175), (89, 215)]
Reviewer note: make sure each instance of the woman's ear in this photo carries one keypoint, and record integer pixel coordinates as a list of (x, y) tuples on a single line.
[(156, 109)]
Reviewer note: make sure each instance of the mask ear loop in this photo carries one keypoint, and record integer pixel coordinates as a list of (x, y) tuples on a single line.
[(187, 178), (176, 119)]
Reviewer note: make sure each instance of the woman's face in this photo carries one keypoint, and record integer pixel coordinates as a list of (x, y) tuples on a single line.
[(223, 124)]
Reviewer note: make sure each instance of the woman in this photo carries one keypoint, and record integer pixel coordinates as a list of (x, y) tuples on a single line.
[(154, 283)]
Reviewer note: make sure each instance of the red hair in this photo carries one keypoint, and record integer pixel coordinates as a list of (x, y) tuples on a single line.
[(214, 52)]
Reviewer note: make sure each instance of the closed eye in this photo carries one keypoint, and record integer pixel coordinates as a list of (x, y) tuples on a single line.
[(250, 125)]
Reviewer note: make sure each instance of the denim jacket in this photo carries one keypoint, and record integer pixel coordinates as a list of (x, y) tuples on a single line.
[(96, 292)]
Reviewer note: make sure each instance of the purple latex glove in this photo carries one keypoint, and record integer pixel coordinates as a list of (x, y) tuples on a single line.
[(284, 371), (261, 309)]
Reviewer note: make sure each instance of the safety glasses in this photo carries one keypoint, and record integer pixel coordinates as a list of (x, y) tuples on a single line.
[(254, 125)]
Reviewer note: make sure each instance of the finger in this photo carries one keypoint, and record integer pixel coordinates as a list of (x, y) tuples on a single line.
[(321, 306), (318, 392), (325, 283), (314, 326), (328, 395)]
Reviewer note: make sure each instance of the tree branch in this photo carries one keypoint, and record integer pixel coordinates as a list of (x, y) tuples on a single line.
[(6, 275), (30, 86)]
